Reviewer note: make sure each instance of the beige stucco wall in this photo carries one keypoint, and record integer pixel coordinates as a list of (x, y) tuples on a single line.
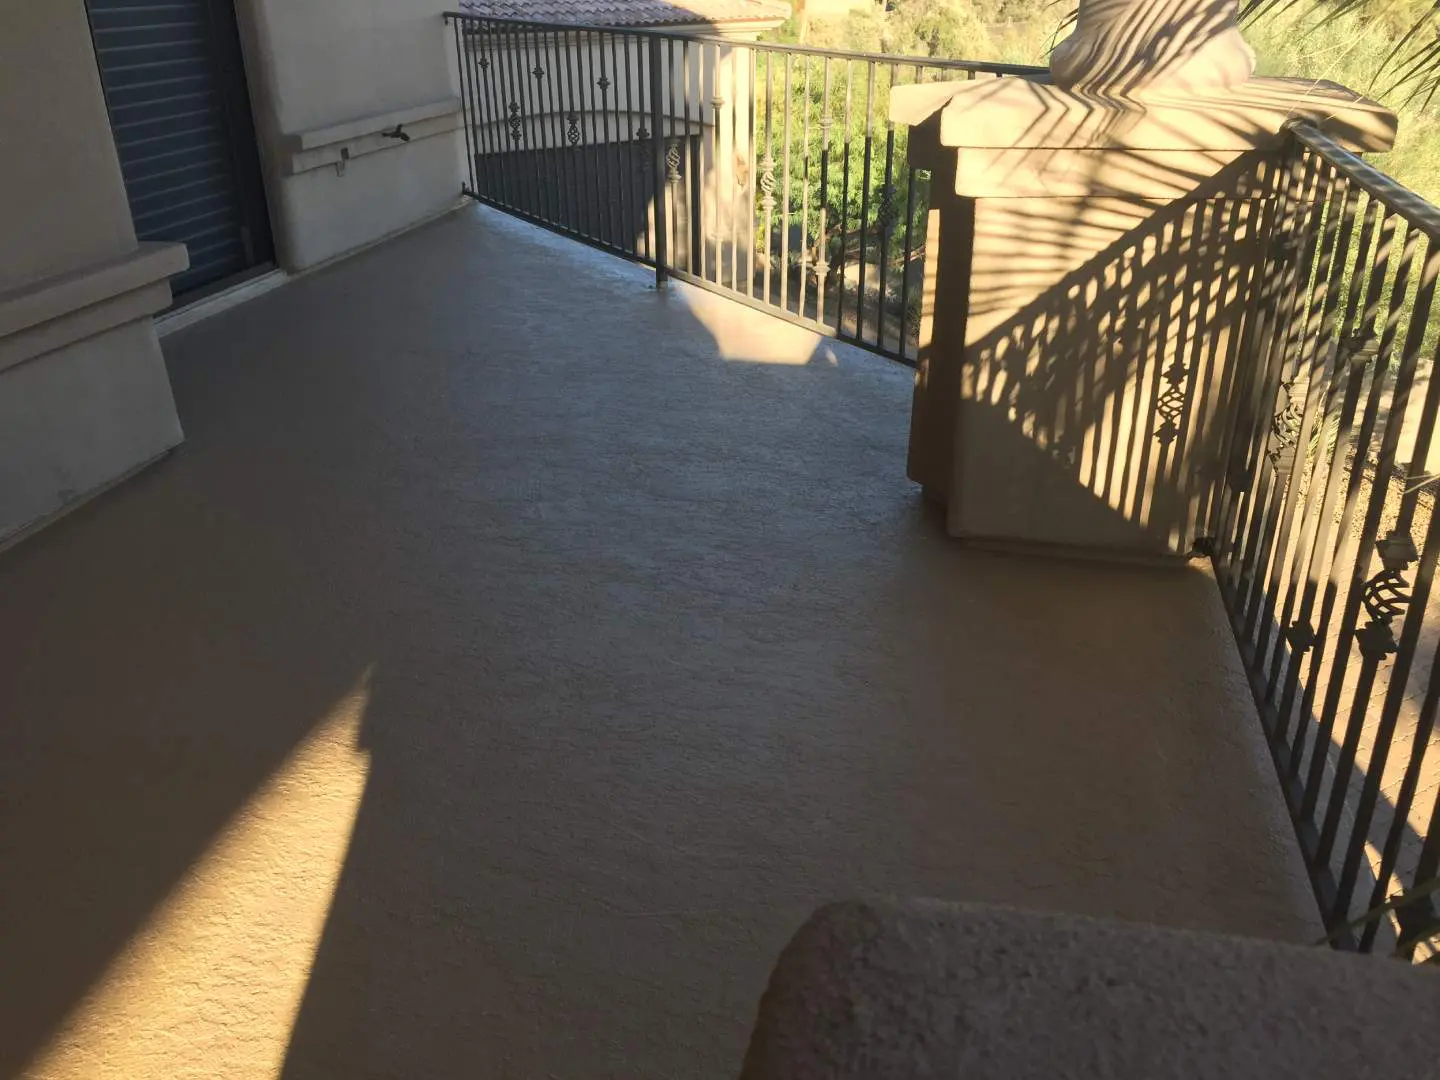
[(63, 199), (314, 65), (84, 398)]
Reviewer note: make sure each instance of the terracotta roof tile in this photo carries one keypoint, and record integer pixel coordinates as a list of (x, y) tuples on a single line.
[(631, 12)]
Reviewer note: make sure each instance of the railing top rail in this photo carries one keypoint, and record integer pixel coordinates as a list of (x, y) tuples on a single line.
[(1394, 196), (983, 67)]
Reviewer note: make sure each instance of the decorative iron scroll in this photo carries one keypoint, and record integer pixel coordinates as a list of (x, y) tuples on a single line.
[(1387, 594), (1171, 405)]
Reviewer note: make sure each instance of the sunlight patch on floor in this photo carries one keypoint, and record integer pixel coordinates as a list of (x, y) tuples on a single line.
[(211, 986), (753, 336)]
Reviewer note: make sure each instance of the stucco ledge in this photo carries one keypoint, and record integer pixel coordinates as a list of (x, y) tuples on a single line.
[(57, 311), (334, 144)]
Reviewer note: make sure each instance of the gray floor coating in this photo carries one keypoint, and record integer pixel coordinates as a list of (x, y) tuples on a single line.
[(649, 648)]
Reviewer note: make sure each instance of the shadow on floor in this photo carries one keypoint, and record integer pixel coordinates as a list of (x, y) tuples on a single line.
[(647, 649)]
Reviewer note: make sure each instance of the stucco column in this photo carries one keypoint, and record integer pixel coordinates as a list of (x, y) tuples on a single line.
[(84, 396), (1096, 240)]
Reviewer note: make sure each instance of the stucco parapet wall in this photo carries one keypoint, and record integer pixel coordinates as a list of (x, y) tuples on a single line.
[(334, 144), (899, 991), (57, 311), (1018, 137)]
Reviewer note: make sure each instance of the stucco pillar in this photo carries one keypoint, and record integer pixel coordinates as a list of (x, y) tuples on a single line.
[(1096, 240), (84, 396)]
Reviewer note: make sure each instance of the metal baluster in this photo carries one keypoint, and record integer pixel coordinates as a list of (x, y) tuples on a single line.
[(691, 217), (1298, 634), (593, 160), (567, 131), (1345, 545), (1387, 591), (822, 249), (907, 252), (752, 177), (844, 204), (1261, 218), (1338, 558), (1427, 867), (596, 166), (535, 72), (717, 105), (785, 214), (736, 186), (804, 191), (767, 176), (1405, 797), (1243, 541), (575, 134), (1425, 726), (494, 127), (609, 156), (467, 114), (657, 145), (1375, 640), (552, 138), (624, 239), (639, 204), (885, 220), (534, 130), (555, 145), (864, 230), (1291, 431), (1298, 249), (588, 163), (672, 162), (515, 125), (1353, 358)]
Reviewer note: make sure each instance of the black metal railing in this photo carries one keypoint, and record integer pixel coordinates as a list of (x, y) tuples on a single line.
[(769, 172), (1325, 532), (1275, 340)]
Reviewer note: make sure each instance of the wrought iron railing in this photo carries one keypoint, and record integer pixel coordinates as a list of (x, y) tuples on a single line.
[(769, 172), (1297, 328), (1327, 531)]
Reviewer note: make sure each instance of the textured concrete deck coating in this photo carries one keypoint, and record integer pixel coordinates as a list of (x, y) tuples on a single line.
[(514, 657), (877, 991)]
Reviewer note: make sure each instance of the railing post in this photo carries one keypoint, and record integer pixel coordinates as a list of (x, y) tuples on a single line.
[(657, 146)]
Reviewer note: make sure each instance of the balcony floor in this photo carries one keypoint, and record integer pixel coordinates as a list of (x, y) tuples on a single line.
[(514, 656)]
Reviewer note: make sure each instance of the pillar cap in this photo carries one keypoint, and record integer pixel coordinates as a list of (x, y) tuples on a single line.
[(1020, 137)]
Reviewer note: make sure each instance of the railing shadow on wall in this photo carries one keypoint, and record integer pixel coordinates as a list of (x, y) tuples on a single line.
[(1129, 403), (1197, 384)]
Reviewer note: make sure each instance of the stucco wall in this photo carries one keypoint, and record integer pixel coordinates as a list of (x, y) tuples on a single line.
[(63, 199), (84, 398), (316, 66)]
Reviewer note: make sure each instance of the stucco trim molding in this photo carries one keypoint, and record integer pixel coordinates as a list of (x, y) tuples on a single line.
[(334, 144), (57, 311)]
